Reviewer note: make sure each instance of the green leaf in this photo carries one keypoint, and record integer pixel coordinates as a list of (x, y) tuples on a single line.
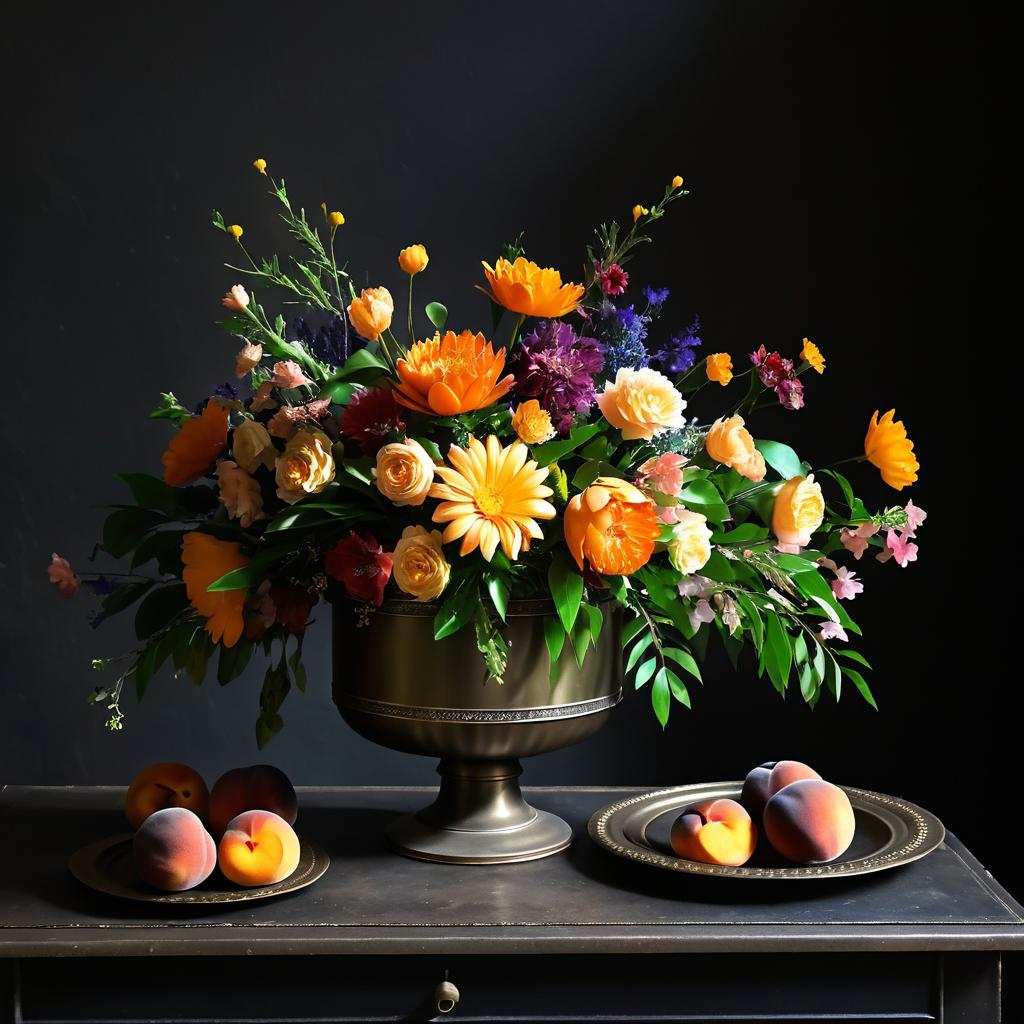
[(861, 683), (554, 636), (437, 314), (813, 586), (566, 586), (781, 458), (559, 482), (552, 451), (248, 577), (276, 685), (499, 592), (145, 668), (151, 492), (430, 447), (196, 655), (678, 687), (596, 620), (745, 533), (661, 698), (580, 637), (362, 366), (170, 409), (457, 610), (752, 617), (794, 563), (233, 660), (124, 528), (777, 654), (591, 470), (165, 547), (491, 644), (339, 392), (844, 486), (644, 672), (685, 660), (124, 596), (702, 496), (159, 608), (638, 650), (361, 468), (846, 652)]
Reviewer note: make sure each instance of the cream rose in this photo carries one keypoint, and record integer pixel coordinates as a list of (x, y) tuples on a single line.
[(798, 511), (690, 546), (419, 566), (251, 446), (305, 467), (729, 442), (240, 494), (404, 472), (641, 403)]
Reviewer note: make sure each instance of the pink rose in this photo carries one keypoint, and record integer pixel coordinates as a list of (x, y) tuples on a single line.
[(61, 573), (288, 374)]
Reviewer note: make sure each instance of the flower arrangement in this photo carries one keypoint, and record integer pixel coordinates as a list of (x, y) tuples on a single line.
[(557, 456)]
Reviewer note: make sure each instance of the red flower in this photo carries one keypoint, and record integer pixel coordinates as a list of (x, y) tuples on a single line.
[(292, 606), (361, 565), (772, 368), (613, 280), (370, 417)]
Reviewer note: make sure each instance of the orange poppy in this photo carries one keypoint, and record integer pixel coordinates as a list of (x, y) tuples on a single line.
[(206, 560), (888, 447), (614, 525), (196, 445)]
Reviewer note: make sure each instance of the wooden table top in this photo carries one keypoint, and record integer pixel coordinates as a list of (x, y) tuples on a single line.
[(584, 900)]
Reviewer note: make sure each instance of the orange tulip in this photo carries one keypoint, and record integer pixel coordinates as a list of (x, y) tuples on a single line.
[(196, 445), (523, 287), (453, 374), (614, 525), (206, 560), (371, 313), (413, 259)]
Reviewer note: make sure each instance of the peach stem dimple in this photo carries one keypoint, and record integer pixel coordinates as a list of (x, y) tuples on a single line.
[(252, 845)]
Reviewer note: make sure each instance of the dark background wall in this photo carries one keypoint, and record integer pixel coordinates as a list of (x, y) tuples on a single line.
[(840, 159)]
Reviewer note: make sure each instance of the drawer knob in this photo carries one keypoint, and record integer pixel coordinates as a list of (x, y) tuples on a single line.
[(447, 996)]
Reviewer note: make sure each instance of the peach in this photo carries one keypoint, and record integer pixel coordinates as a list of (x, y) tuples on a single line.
[(166, 784), (260, 786), (810, 821), (755, 789), (786, 772), (714, 832), (258, 848), (173, 851)]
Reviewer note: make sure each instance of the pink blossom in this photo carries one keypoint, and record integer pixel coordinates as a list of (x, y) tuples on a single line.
[(288, 374), (832, 631), (846, 586), (826, 563), (703, 612), (613, 280), (236, 300), (694, 586), (668, 514), (855, 540), (248, 356), (61, 573), (915, 518), (788, 549), (262, 400), (898, 546), (283, 423), (665, 473)]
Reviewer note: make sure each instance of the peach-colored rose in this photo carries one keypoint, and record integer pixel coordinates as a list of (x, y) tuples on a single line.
[(237, 299), (690, 546), (283, 423), (60, 572), (248, 356), (730, 443), (419, 566), (799, 510), (404, 472), (641, 403), (288, 374), (371, 313), (305, 467), (262, 400), (251, 446), (240, 494), (531, 423)]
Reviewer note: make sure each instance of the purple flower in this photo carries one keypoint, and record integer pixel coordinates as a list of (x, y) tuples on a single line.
[(678, 355), (225, 390), (655, 296), (791, 393), (331, 343), (557, 367)]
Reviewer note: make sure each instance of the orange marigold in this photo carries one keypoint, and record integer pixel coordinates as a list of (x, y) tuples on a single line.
[(206, 560), (614, 525), (196, 445), (524, 287), (453, 374), (887, 446)]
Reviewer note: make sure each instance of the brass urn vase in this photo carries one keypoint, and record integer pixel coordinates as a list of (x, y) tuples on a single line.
[(398, 686)]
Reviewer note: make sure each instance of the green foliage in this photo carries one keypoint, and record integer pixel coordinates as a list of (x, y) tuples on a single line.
[(552, 451), (491, 644), (437, 314), (566, 587)]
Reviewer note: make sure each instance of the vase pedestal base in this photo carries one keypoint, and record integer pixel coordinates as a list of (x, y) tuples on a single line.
[(479, 817)]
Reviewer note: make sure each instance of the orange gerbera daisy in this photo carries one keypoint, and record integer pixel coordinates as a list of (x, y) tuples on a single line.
[(492, 495), (206, 560), (196, 445), (614, 525), (888, 447), (523, 287), (453, 374)]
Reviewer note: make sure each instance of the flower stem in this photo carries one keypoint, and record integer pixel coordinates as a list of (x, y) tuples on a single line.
[(412, 337), (515, 330)]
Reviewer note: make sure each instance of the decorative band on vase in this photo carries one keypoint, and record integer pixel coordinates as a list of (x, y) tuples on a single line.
[(482, 716)]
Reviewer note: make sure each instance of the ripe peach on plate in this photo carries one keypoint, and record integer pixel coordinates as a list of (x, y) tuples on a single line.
[(166, 784), (258, 848), (260, 786), (810, 821), (714, 832), (173, 851)]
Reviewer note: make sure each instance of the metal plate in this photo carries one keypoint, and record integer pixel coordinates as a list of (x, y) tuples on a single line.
[(106, 866), (889, 832)]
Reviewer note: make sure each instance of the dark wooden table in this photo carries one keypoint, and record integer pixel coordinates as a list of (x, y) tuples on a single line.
[(578, 936)]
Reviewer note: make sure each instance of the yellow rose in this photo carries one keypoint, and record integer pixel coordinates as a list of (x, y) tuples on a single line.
[(371, 313), (690, 546), (730, 443), (531, 423), (641, 403), (798, 512), (413, 259), (719, 368), (419, 566), (404, 472), (251, 446), (305, 467)]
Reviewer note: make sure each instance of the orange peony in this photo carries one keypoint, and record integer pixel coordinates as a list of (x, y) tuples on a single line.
[(532, 423), (453, 374), (614, 525), (730, 443), (206, 560), (888, 447), (371, 313), (196, 445), (492, 495), (523, 287)]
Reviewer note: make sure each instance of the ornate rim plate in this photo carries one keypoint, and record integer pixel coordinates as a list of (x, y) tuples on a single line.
[(889, 832), (106, 866)]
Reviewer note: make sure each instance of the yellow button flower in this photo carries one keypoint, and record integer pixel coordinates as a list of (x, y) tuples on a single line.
[(260, 164), (639, 211), (719, 368), (677, 182), (888, 447), (413, 259), (235, 231), (531, 423), (812, 354)]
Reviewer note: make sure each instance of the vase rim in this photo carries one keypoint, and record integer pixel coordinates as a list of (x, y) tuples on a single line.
[(518, 608)]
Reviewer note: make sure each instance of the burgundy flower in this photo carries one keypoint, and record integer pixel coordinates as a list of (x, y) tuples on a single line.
[(361, 565), (613, 280), (370, 417), (292, 606), (791, 393), (772, 368)]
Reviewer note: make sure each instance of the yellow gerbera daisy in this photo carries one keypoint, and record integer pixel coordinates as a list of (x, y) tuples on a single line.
[(492, 495), (524, 287), (812, 355), (888, 447)]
